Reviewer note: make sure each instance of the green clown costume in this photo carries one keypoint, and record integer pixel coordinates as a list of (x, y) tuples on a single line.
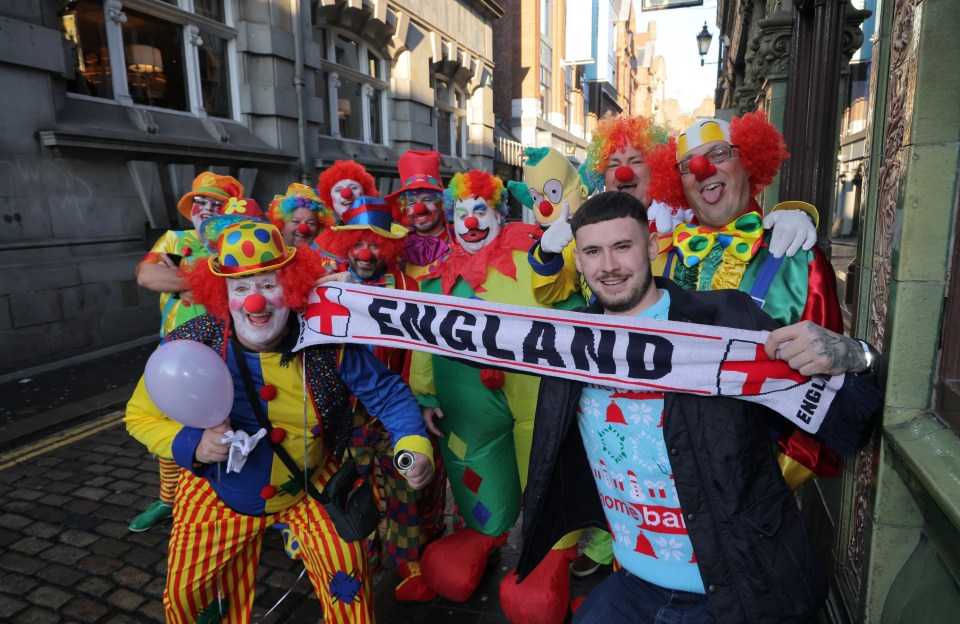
[(487, 414)]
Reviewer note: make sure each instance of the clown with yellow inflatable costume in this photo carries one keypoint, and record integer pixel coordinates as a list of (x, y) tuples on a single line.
[(484, 417)]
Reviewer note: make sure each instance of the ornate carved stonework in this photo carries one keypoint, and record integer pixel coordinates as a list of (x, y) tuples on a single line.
[(899, 97), (772, 46), (899, 102)]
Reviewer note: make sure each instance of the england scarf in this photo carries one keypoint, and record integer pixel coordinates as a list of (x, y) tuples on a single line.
[(616, 351)]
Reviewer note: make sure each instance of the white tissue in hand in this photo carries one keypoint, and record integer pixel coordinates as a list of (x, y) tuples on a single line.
[(241, 444)]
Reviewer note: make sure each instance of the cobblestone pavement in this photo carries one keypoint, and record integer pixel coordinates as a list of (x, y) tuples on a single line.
[(66, 554)]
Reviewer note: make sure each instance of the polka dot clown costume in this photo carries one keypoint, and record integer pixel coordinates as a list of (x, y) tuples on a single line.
[(249, 288)]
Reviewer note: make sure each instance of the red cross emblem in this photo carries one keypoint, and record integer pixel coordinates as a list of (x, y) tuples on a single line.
[(327, 316), (758, 372)]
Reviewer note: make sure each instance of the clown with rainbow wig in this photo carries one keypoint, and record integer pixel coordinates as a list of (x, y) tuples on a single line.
[(299, 215)]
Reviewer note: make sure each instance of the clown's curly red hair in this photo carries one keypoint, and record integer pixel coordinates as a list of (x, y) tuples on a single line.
[(296, 277), (762, 151), (339, 242), (344, 170), (664, 185)]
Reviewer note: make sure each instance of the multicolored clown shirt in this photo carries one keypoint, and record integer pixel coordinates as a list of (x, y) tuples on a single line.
[(188, 247)]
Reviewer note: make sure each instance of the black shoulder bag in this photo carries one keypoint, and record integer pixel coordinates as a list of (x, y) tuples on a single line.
[(347, 498)]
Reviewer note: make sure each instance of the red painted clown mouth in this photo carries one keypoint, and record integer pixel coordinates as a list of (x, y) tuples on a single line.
[(475, 235), (261, 319)]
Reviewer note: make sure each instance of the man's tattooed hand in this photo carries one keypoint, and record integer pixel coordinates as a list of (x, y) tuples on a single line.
[(812, 350)]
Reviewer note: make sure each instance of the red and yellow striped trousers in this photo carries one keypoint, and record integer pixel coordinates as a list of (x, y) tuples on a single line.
[(213, 547)]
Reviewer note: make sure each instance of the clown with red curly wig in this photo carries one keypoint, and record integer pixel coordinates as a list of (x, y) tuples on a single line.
[(717, 170), (342, 183), (302, 402), (484, 417)]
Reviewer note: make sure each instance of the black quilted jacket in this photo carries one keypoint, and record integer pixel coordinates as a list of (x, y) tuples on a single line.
[(753, 550)]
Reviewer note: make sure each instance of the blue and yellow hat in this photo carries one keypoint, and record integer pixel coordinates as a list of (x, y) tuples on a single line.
[(249, 248), (370, 213)]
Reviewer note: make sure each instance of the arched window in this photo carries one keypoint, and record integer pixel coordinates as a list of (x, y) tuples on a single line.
[(170, 54), (352, 82)]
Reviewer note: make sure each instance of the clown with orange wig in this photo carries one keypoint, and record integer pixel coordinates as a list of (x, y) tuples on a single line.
[(717, 169), (484, 417)]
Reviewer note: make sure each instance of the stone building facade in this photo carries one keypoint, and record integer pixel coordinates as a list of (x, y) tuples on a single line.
[(110, 107)]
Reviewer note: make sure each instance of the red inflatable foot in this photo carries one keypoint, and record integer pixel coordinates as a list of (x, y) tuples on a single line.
[(412, 588), (544, 596), (453, 565)]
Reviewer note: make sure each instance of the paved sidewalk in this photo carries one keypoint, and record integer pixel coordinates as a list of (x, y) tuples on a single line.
[(71, 479), (67, 555)]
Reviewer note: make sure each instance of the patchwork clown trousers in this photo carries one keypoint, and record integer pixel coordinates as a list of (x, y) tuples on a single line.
[(215, 551), (414, 517)]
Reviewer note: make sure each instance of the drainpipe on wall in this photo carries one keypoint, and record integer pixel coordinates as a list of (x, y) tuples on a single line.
[(306, 175)]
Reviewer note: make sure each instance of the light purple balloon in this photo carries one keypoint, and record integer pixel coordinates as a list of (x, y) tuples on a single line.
[(189, 383)]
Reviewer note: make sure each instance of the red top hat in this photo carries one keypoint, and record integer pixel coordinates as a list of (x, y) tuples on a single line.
[(418, 170)]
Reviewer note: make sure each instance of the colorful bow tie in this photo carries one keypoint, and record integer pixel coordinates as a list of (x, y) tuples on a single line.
[(741, 239)]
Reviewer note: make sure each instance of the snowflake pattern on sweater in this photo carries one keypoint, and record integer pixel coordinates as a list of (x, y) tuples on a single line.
[(623, 435)]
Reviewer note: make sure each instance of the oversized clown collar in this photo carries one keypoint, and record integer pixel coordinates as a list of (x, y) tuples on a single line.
[(498, 254)]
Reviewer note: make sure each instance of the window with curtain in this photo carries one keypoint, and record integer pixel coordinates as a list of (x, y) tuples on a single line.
[(175, 54)]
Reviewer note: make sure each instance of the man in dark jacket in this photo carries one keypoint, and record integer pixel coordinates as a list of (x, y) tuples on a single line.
[(703, 523)]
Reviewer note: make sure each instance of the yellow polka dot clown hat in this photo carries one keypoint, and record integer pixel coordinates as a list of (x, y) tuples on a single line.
[(249, 248)]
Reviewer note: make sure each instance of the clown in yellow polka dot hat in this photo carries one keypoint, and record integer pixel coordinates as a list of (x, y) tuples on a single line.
[(249, 248)]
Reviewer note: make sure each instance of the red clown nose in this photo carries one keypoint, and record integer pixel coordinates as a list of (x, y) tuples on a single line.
[(546, 208), (623, 174), (303, 228), (346, 193), (701, 167), (471, 222), (255, 303), (364, 255), (419, 208)]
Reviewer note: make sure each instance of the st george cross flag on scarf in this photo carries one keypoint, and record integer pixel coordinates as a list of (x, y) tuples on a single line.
[(615, 351)]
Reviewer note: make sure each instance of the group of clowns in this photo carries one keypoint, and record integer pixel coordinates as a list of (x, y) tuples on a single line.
[(474, 425)]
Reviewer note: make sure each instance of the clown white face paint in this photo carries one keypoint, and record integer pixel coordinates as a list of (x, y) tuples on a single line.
[(203, 208), (262, 329), (344, 193), (476, 223)]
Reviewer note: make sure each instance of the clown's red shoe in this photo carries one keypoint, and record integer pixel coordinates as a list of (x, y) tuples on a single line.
[(453, 566), (544, 596), (413, 588)]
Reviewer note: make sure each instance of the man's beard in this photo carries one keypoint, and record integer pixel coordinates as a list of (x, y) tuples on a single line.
[(631, 299), (366, 273)]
